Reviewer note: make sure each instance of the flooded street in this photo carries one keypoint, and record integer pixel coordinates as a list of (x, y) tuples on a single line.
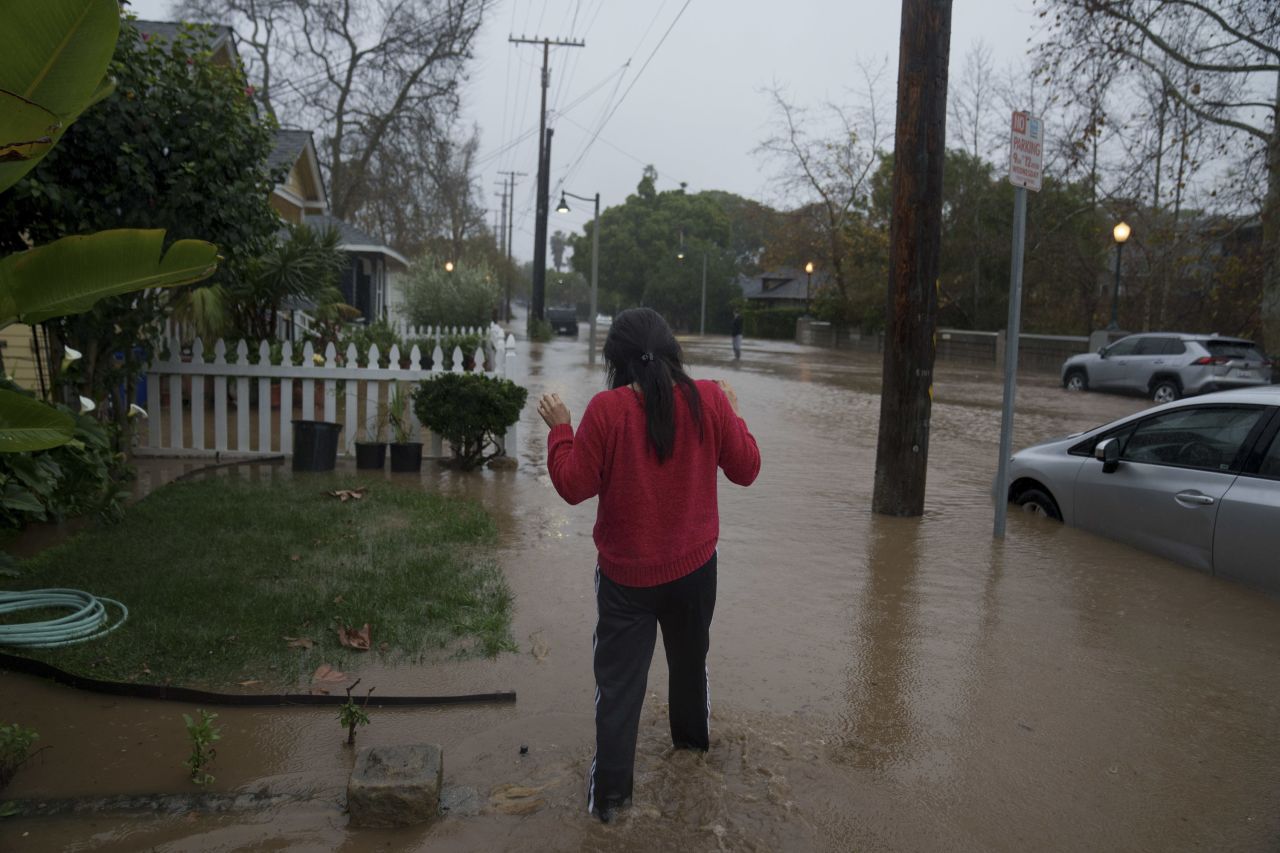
[(877, 683)]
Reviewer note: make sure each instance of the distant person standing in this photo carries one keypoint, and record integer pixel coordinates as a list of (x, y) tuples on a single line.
[(737, 336), (651, 447)]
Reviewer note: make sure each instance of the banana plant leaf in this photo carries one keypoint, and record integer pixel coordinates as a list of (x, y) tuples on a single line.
[(29, 424), (53, 55), (26, 129), (69, 275)]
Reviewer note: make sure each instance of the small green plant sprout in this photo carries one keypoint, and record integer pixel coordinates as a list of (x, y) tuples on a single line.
[(375, 429), (203, 734), (15, 749), (351, 715), (398, 414)]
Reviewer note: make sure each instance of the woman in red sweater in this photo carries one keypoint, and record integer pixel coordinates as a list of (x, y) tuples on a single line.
[(649, 448)]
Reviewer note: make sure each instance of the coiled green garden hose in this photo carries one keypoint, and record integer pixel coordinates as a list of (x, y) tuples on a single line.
[(88, 620)]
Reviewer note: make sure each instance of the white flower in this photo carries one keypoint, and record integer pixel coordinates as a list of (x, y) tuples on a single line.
[(136, 411), (86, 405), (70, 355)]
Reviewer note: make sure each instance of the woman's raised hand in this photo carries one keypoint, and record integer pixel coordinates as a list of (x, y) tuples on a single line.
[(553, 410), (728, 392)]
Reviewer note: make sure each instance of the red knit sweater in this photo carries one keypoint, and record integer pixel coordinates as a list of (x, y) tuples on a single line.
[(655, 522)]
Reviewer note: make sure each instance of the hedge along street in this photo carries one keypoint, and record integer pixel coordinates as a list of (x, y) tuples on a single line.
[(229, 581)]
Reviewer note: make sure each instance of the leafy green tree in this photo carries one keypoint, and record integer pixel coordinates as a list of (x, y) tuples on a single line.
[(1208, 58), (640, 244), (306, 266), (53, 59), (178, 146)]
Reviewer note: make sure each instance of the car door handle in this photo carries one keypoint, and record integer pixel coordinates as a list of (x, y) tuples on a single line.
[(1194, 498), (1158, 361)]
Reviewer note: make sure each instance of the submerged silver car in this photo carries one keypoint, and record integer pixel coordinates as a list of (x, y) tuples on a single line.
[(1166, 366), (1197, 481)]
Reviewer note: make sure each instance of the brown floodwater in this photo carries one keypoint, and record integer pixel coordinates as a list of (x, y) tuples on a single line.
[(877, 683)]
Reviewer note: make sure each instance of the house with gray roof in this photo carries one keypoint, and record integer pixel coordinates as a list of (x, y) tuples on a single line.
[(222, 38), (781, 288), (369, 281)]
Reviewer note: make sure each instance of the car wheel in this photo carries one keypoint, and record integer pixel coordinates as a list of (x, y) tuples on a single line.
[(1165, 391), (1076, 381), (1038, 502)]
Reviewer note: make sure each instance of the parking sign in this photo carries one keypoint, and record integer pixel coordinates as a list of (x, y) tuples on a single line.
[(1026, 151)]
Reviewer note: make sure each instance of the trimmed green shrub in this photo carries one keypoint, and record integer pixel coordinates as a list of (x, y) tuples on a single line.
[(471, 411), (774, 323)]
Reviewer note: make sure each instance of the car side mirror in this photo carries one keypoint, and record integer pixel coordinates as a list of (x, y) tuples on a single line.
[(1107, 452), (1102, 353)]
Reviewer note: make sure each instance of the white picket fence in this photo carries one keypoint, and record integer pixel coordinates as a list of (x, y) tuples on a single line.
[(241, 429)]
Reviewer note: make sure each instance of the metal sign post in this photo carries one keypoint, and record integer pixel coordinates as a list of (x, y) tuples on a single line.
[(1025, 170)]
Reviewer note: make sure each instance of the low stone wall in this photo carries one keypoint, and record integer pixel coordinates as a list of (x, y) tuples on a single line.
[(1036, 353)]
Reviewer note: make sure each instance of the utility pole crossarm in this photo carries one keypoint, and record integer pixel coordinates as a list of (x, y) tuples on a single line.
[(550, 42)]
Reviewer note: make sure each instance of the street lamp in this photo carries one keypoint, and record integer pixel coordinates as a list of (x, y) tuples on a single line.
[(702, 317), (1121, 234), (563, 207), (808, 281)]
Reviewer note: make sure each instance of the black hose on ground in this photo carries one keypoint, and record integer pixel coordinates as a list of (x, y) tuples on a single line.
[(27, 666)]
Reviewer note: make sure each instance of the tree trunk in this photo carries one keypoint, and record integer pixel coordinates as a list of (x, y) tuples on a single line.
[(1271, 238), (902, 449)]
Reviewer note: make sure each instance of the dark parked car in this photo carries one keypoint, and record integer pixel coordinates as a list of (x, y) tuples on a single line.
[(1166, 366), (564, 321), (1196, 480)]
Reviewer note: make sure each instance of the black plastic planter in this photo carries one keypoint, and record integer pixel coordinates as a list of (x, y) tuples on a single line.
[(315, 445), (371, 456), (406, 458)]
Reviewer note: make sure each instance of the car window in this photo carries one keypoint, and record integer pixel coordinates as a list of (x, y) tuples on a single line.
[(1205, 437), (1234, 349), (1127, 346), (1160, 346), (1270, 466)]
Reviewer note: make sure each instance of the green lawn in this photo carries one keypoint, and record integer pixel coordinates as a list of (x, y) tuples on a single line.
[(218, 572)]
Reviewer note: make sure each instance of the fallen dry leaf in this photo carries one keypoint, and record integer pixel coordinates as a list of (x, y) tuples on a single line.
[(345, 495), (328, 675), (295, 557), (353, 639), (338, 600), (384, 647), (299, 642), (517, 799), (249, 683)]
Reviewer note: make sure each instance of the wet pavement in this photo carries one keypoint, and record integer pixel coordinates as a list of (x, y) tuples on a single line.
[(877, 683)]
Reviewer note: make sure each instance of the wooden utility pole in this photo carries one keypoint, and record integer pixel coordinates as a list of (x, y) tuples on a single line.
[(538, 296), (915, 234), (511, 219)]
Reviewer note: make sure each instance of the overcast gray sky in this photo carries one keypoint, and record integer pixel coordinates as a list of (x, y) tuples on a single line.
[(695, 111)]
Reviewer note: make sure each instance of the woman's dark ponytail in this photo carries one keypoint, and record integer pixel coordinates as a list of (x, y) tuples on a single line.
[(640, 349)]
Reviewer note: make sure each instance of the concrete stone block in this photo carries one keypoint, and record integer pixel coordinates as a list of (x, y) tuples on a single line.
[(395, 785)]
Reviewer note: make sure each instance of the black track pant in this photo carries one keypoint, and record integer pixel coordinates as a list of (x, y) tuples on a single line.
[(623, 643)]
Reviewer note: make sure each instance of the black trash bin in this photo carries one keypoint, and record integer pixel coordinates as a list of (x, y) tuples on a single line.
[(315, 445)]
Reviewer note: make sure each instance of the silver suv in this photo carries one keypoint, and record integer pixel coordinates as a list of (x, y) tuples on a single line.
[(1167, 366)]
